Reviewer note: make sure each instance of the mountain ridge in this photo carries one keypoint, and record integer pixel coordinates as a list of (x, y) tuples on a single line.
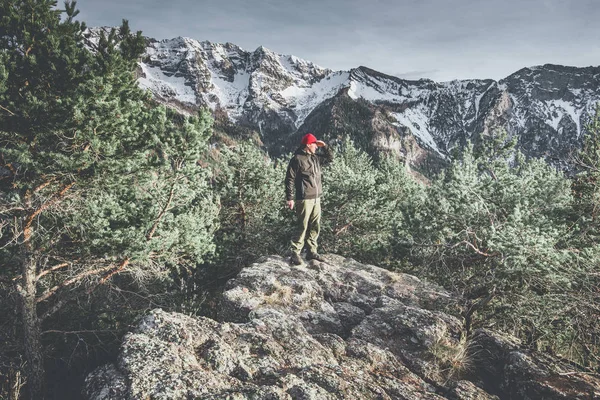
[(546, 106)]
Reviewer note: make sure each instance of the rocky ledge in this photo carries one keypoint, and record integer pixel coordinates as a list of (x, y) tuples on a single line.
[(334, 330)]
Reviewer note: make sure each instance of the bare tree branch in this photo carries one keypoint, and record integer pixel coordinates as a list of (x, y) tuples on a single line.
[(55, 268), (162, 212), (120, 268), (475, 249), (79, 332), (71, 281), (8, 111), (342, 229), (9, 210), (29, 221)]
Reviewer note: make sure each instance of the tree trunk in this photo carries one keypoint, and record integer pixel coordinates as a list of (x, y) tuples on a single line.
[(31, 328)]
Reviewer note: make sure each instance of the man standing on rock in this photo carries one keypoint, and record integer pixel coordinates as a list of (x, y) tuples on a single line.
[(304, 178)]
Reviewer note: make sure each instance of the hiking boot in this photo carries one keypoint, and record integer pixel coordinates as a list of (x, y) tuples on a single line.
[(315, 256), (295, 259)]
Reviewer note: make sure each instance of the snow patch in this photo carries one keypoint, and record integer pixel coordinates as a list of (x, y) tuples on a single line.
[(373, 89), (418, 123), (369, 93), (167, 86), (561, 108), (304, 98), (232, 95)]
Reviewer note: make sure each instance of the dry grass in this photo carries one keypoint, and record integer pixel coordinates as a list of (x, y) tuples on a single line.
[(281, 295), (453, 360)]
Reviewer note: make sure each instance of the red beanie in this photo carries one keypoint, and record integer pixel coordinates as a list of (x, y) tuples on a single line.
[(308, 139)]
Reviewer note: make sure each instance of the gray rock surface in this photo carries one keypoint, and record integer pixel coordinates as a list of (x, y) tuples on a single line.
[(334, 330)]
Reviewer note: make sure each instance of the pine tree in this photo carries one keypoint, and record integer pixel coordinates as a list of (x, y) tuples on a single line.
[(363, 203), (582, 333), (586, 187), (349, 197), (253, 221), (491, 228), (96, 179)]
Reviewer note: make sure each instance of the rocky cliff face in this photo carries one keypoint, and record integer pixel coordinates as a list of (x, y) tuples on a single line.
[(281, 96), (334, 330)]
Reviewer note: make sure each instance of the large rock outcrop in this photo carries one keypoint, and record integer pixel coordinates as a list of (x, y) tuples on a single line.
[(335, 330)]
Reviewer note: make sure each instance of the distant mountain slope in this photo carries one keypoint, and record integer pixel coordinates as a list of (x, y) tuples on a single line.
[(282, 97)]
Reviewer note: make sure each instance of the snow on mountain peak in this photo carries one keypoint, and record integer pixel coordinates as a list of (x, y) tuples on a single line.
[(254, 86), (226, 77)]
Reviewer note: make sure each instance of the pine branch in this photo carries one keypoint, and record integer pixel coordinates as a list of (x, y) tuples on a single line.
[(162, 212), (55, 268), (71, 281), (80, 332), (119, 269), (29, 221), (8, 111)]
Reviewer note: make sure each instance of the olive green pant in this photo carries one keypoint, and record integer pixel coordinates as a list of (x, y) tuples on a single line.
[(308, 225)]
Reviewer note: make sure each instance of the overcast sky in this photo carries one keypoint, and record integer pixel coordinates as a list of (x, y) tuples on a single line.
[(437, 39)]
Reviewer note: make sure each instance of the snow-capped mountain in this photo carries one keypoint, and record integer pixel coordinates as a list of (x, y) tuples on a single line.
[(282, 97), (243, 84)]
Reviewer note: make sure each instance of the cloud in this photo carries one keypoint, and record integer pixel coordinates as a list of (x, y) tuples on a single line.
[(414, 75)]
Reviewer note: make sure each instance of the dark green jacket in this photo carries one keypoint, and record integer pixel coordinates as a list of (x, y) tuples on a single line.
[(304, 174)]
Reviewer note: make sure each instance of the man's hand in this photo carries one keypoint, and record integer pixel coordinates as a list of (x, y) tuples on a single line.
[(320, 143), (290, 204)]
